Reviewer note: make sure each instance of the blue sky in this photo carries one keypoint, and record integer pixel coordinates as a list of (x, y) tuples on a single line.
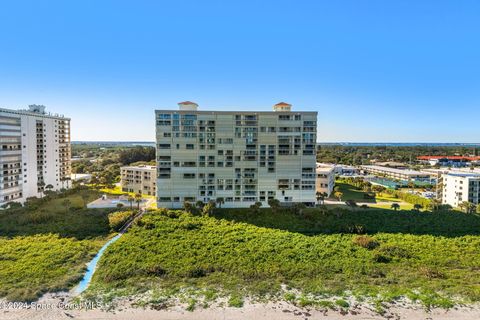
[(374, 70)]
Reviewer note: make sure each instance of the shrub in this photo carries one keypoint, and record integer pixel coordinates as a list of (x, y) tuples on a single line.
[(365, 242), (117, 220), (235, 301)]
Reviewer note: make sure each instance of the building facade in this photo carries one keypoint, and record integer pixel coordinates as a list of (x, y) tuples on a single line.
[(400, 174), (35, 153), (454, 188), (241, 157), (325, 179), (139, 179)]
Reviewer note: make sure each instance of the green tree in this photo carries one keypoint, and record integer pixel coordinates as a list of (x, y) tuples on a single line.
[(417, 207), (274, 204), (338, 195), (467, 207), (188, 207), (208, 208), (138, 199), (395, 206), (256, 207), (199, 204), (220, 201), (130, 200), (321, 197)]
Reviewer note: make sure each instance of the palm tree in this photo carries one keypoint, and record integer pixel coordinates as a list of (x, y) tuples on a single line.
[(130, 199), (138, 200), (220, 201), (395, 206), (199, 204), (321, 197), (468, 207)]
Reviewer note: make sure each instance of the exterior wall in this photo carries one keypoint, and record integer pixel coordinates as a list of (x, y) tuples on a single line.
[(325, 181), (139, 179), (42, 154), (242, 157), (458, 188)]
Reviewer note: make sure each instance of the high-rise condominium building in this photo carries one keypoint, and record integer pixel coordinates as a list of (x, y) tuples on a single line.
[(239, 156), (35, 153)]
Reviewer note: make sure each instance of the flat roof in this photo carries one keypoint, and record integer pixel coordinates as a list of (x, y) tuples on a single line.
[(463, 175), (449, 158), (141, 167), (394, 170), (234, 112), (35, 114)]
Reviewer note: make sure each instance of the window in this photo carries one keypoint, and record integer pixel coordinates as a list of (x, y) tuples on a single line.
[(190, 146), (189, 176), (164, 146)]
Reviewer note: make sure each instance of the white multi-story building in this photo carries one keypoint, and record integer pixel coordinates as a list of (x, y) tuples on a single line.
[(394, 173), (242, 157), (35, 153), (139, 179), (456, 187), (325, 178)]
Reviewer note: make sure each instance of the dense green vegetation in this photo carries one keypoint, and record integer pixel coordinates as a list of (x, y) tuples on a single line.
[(430, 257), (32, 265), (44, 246), (64, 215), (104, 161), (357, 155)]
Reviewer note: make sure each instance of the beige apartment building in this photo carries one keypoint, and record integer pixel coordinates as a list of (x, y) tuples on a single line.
[(35, 153), (139, 179), (239, 156), (325, 178)]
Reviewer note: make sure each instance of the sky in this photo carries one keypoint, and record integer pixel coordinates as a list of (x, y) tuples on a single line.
[(375, 71)]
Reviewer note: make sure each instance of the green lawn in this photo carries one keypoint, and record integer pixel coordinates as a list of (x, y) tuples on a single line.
[(430, 257), (350, 192), (45, 247)]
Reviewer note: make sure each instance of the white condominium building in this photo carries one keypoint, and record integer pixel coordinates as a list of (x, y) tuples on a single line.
[(139, 179), (456, 187), (242, 157), (325, 178), (35, 153)]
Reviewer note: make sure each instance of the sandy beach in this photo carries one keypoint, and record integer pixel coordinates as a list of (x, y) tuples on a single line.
[(56, 307)]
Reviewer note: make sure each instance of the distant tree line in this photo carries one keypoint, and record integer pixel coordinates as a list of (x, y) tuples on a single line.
[(358, 155)]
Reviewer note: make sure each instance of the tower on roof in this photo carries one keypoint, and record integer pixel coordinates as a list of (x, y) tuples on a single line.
[(282, 106), (188, 106)]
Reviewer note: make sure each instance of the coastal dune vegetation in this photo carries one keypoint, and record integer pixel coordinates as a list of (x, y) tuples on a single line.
[(45, 245), (304, 257)]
